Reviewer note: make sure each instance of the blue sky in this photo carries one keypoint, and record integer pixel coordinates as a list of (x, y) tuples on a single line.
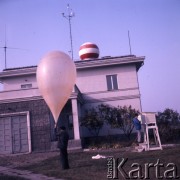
[(37, 27)]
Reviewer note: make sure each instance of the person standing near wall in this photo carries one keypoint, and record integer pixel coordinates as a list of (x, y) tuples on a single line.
[(63, 138), (137, 125)]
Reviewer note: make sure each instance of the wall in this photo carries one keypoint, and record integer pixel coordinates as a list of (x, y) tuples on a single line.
[(94, 80), (16, 82), (39, 121), (92, 83), (19, 94)]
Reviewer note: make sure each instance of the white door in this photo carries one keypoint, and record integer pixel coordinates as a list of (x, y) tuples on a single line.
[(19, 134), (5, 135), (13, 134)]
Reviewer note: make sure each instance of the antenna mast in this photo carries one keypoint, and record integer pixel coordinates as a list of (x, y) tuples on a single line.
[(5, 50), (129, 42), (5, 47), (69, 16)]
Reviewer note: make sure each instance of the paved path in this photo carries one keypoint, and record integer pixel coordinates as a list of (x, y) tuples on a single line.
[(24, 174)]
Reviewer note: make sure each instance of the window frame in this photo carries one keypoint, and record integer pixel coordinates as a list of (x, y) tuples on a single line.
[(26, 86), (112, 82)]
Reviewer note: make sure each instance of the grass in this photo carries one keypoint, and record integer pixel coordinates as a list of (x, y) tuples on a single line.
[(83, 167), (7, 177)]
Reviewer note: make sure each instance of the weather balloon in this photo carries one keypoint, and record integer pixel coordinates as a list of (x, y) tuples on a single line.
[(56, 75)]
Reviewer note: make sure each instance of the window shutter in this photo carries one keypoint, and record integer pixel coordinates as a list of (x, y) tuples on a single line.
[(115, 84), (109, 84)]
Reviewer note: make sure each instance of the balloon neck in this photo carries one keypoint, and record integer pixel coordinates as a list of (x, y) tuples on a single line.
[(55, 125)]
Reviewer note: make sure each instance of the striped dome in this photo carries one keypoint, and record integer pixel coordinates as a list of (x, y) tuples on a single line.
[(88, 51)]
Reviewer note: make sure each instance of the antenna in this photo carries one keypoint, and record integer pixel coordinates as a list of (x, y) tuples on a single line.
[(69, 16), (129, 42), (5, 50)]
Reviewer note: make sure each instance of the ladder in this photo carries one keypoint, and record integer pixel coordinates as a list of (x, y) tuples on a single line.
[(151, 134)]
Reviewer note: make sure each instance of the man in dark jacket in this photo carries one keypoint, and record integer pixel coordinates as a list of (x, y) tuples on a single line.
[(137, 125), (63, 138)]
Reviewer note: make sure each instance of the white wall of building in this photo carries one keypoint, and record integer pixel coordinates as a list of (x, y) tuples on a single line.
[(92, 83), (15, 83), (94, 80)]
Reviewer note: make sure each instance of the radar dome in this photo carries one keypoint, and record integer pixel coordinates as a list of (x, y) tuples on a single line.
[(88, 51)]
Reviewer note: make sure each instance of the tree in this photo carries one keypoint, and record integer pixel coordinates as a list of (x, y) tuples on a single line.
[(109, 115), (92, 121), (168, 121), (120, 117), (169, 115), (127, 114)]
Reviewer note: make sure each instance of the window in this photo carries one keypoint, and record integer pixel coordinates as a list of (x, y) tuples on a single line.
[(26, 86), (112, 82)]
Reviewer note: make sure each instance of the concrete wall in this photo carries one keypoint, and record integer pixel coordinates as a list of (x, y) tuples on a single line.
[(94, 80), (14, 83), (39, 121), (19, 93), (92, 83)]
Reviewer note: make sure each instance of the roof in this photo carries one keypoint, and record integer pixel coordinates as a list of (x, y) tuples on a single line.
[(111, 61), (81, 64), (16, 68)]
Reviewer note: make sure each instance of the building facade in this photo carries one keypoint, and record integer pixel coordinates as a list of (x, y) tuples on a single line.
[(26, 123)]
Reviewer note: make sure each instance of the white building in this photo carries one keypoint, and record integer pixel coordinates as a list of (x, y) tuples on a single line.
[(26, 123)]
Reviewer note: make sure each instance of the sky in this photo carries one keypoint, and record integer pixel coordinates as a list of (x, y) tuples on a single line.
[(36, 27)]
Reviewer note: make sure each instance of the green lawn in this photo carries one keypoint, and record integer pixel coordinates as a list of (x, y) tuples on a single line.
[(82, 166)]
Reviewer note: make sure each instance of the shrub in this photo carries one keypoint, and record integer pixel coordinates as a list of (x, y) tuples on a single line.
[(92, 121), (120, 117), (168, 125)]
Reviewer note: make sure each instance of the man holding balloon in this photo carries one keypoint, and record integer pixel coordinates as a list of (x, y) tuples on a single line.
[(63, 138), (56, 75)]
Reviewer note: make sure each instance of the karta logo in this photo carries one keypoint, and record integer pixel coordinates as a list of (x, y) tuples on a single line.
[(117, 170)]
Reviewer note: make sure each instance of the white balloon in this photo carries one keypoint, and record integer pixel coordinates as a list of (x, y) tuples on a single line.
[(56, 75)]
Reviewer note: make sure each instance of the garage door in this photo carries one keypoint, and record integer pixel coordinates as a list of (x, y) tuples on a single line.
[(13, 134), (5, 135)]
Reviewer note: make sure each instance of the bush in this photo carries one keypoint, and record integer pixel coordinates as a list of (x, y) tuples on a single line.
[(92, 121), (168, 125), (120, 117), (115, 117), (165, 131)]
